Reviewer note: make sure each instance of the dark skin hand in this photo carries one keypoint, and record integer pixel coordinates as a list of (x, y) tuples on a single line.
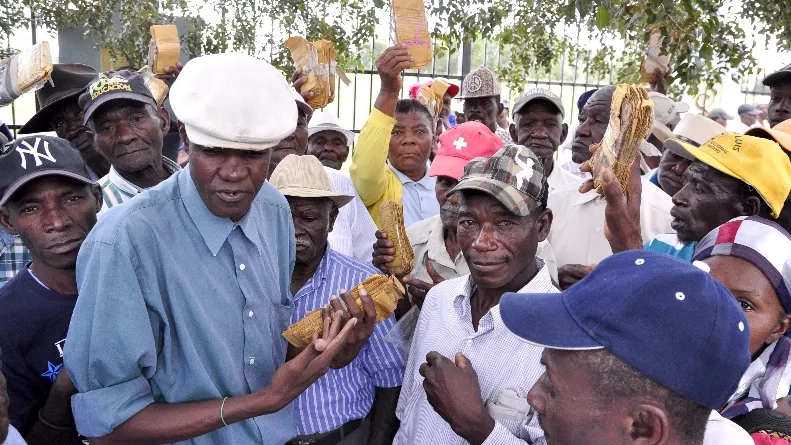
[(418, 289), (660, 84), (297, 80), (364, 327), (453, 391), (570, 274), (171, 74), (56, 411), (384, 423)]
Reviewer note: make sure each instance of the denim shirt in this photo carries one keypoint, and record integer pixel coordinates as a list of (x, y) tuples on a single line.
[(178, 305)]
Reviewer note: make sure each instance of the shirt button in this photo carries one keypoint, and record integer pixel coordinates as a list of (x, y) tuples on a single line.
[(241, 267), (597, 231), (250, 314), (252, 361)]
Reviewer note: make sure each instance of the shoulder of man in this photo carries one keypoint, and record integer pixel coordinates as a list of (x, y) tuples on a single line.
[(419, 232), (443, 293), (353, 264), (271, 196), (655, 198)]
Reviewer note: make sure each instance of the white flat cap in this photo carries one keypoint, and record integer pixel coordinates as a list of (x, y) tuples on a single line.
[(233, 100)]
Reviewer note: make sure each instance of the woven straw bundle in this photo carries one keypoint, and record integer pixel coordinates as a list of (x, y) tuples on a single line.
[(385, 293), (631, 116), (391, 218)]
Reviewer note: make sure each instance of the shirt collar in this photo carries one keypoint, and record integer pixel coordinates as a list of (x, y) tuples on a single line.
[(213, 229), (426, 181), (126, 186), (319, 276), (6, 239), (435, 245)]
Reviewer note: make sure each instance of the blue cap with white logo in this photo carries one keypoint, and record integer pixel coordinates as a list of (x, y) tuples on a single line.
[(667, 318)]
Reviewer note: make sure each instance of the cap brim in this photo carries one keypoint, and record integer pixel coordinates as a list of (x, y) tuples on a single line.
[(41, 121), (118, 95), (661, 131), (302, 192), (19, 183), (348, 134), (543, 320), (491, 187), (782, 138), (681, 107), (679, 148), (449, 166), (453, 90)]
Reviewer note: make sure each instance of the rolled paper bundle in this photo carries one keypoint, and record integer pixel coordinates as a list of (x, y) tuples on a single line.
[(653, 60), (631, 116), (164, 49), (391, 217), (25, 71), (157, 86), (411, 29), (318, 62), (385, 293)]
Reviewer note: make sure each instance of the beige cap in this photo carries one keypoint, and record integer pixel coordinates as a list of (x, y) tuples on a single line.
[(304, 177)]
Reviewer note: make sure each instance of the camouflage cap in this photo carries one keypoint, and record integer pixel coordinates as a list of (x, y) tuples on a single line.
[(480, 83), (512, 175)]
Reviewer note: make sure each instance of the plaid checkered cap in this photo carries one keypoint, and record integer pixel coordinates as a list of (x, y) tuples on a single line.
[(513, 175), (761, 242)]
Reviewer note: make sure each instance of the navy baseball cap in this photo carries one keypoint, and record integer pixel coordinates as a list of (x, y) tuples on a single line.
[(112, 85), (665, 317), (31, 157)]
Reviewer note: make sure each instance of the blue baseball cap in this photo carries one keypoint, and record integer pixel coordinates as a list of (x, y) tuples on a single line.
[(665, 317)]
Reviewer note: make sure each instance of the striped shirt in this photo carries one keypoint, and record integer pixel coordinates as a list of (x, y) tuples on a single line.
[(354, 231), (117, 190), (14, 256), (348, 393), (501, 359)]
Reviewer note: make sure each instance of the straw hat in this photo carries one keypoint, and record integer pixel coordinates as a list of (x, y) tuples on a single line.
[(304, 177)]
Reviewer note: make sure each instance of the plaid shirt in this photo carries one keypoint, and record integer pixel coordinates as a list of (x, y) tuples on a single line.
[(117, 190), (14, 256)]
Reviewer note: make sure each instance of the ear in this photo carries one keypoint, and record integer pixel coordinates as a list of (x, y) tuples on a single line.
[(96, 190), (650, 425), (164, 116), (780, 329), (5, 221), (544, 224), (333, 217), (512, 130), (564, 133), (183, 135), (751, 206)]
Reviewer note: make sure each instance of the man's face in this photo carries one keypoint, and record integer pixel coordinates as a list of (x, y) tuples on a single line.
[(540, 128), (294, 144), (757, 297), (594, 118), (568, 407), (330, 147), (483, 110), (780, 103), (446, 104), (53, 215), (748, 119), (411, 142), (228, 179), (448, 206), (499, 246), (67, 123), (129, 134), (722, 122), (313, 221), (706, 200), (671, 171)]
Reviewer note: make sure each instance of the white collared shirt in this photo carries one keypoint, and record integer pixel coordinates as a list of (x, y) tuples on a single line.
[(501, 359), (354, 231), (577, 234), (721, 431), (561, 178)]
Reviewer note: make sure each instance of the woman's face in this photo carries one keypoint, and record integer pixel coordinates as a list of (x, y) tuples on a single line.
[(754, 293)]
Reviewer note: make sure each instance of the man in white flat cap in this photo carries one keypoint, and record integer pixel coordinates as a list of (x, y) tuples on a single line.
[(184, 291), (329, 140)]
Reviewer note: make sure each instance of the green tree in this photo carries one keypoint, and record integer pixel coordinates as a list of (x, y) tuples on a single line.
[(703, 37)]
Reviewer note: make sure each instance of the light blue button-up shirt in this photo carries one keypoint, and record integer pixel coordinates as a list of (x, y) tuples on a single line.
[(419, 199), (177, 305)]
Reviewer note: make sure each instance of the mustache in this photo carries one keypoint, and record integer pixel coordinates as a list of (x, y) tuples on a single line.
[(450, 208), (303, 242)]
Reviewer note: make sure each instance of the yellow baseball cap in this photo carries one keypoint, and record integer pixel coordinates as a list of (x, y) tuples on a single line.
[(760, 163)]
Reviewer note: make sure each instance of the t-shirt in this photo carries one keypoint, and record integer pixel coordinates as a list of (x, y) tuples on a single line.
[(33, 325), (669, 244)]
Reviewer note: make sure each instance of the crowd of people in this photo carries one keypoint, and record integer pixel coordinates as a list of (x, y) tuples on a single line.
[(152, 260)]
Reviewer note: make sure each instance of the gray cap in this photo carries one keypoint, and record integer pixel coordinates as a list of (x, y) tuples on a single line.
[(719, 113), (480, 83), (538, 94), (748, 109)]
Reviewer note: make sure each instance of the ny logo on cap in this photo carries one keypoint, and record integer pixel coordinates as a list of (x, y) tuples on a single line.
[(526, 169), (33, 151)]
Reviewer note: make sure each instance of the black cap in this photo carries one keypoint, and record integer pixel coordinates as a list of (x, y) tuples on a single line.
[(68, 80), (783, 75), (112, 85), (32, 157)]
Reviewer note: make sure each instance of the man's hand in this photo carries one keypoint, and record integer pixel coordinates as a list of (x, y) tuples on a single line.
[(660, 83), (417, 289), (390, 64), (569, 274), (296, 375), (453, 391), (171, 74), (363, 329), (622, 213), (297, 80), (384, 252)]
